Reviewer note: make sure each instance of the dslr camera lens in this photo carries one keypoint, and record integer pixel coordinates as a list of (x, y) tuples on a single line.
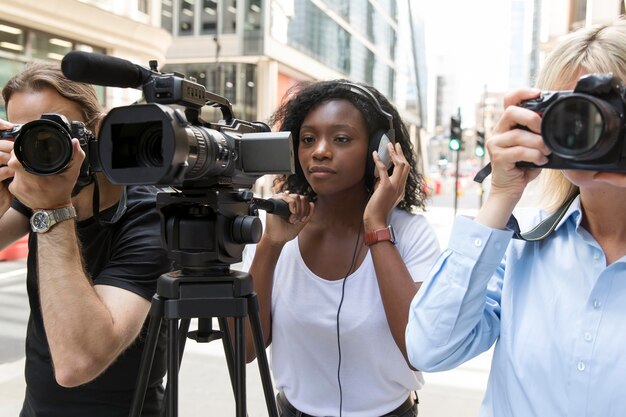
[(44, 146)]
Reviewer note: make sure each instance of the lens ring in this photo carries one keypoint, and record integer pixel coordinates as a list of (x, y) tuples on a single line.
[(149, 147), (43, 147), (579, 126)]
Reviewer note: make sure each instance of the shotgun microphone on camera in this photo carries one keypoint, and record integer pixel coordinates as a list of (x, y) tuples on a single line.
[(99, 69)]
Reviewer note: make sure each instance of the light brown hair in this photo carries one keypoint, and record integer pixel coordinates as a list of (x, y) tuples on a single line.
[(38, 76)]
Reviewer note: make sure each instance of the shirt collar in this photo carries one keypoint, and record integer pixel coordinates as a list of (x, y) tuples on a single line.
[(574, 212)]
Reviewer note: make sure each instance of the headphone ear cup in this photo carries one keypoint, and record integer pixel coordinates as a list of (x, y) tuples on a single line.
[(378, 143)]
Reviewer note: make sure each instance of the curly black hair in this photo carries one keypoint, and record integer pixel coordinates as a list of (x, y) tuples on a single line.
[(306, 96)]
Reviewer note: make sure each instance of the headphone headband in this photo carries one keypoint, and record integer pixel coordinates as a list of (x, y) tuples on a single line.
[(364, 92)]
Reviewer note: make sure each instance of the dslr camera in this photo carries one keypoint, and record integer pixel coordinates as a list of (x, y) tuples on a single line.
[(585, 128), (44, 146)]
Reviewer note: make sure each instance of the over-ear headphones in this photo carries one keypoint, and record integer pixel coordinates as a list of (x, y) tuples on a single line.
[(379, 140)]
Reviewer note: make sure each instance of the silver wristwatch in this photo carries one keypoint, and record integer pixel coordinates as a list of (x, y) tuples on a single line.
[(42, 220)]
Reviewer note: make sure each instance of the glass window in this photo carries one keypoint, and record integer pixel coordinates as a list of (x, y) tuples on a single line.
[(143, 6), (12, 39), (8, 68), (185, 17), (208, 16), (253, 28), (229, 16), (50, 47), (167, 15), (253, 15), (578, 13)]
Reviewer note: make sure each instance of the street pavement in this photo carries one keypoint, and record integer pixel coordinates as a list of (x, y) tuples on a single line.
[(204, 383)]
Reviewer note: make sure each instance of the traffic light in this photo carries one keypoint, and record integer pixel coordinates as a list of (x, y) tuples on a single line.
[(479, 150), (456, 134)]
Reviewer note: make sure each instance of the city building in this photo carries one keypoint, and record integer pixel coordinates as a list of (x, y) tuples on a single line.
[(46, 30)]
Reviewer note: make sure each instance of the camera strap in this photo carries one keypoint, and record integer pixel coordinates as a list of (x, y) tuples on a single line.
[(543, 229), (540, 231), (119, 211)]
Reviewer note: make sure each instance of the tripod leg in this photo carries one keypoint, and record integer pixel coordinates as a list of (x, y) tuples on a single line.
[(240, 366), (182, 338), (147, 356), (259, 347), (229, 351), (173, 360)]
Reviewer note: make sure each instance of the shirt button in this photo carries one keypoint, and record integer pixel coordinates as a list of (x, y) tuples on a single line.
[(596, 304), (588, 337), (478, 242), (581, 366), (596, 256)]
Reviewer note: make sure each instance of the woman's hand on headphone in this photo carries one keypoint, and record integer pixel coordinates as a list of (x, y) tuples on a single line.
[(388, 190), (279, 230)]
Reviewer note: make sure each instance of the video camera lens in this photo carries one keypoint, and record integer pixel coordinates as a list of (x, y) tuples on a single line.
[(43, 147), (580, 127)]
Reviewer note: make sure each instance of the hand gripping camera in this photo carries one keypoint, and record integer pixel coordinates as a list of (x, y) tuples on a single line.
[(584, 128), (44, 146)]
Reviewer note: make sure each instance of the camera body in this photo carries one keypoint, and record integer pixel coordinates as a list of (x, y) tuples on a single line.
[(44, 146), (165, 141), (585, 128)]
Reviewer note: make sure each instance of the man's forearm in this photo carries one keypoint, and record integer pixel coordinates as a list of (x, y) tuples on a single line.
[(79, 327)]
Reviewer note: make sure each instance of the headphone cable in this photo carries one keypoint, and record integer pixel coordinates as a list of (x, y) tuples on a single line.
[(343, 292)]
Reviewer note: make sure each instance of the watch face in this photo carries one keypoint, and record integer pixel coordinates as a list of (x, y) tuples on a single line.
[(40, 221)]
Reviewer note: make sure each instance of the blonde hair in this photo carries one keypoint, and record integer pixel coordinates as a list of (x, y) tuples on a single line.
[(597, 49), (37, 76)]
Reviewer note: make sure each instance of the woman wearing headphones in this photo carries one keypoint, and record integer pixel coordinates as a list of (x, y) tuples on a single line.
[(335, 280)]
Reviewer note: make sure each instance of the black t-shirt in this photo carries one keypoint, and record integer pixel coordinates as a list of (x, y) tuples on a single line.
[(127, 254)]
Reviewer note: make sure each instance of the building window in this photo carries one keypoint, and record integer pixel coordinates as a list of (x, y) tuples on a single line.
[(50, 47), (208, 17), (185, 17), (578, 13), (143, 6), (167, 15), (229, 16), (253, 15), (12, 39)]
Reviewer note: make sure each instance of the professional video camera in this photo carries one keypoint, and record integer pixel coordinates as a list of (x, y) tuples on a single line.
[(166, 142), (44, 146), (585, 128)]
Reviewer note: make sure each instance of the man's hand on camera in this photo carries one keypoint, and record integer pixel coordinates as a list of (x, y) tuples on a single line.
[(46, 191), (6, 173)]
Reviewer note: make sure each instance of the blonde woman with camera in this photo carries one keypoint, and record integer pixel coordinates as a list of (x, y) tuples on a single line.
[(555, 307)]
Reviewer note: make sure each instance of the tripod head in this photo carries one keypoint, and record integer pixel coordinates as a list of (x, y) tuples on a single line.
[(205, 230)]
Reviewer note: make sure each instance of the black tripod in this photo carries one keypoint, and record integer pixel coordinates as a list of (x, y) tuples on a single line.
[(204, 233)]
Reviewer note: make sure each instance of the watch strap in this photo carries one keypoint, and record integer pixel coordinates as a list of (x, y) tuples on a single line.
[(63, 213), (380, 235)]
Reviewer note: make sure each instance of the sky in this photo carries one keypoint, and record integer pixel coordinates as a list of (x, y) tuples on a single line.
[(469, 39)]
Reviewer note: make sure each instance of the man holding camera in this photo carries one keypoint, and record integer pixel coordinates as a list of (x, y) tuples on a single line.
[(94, 257)]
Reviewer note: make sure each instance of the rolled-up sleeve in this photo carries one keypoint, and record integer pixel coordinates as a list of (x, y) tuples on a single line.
[(456, 313)]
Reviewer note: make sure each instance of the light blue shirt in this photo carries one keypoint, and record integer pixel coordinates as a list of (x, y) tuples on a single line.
[(557, 312)]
